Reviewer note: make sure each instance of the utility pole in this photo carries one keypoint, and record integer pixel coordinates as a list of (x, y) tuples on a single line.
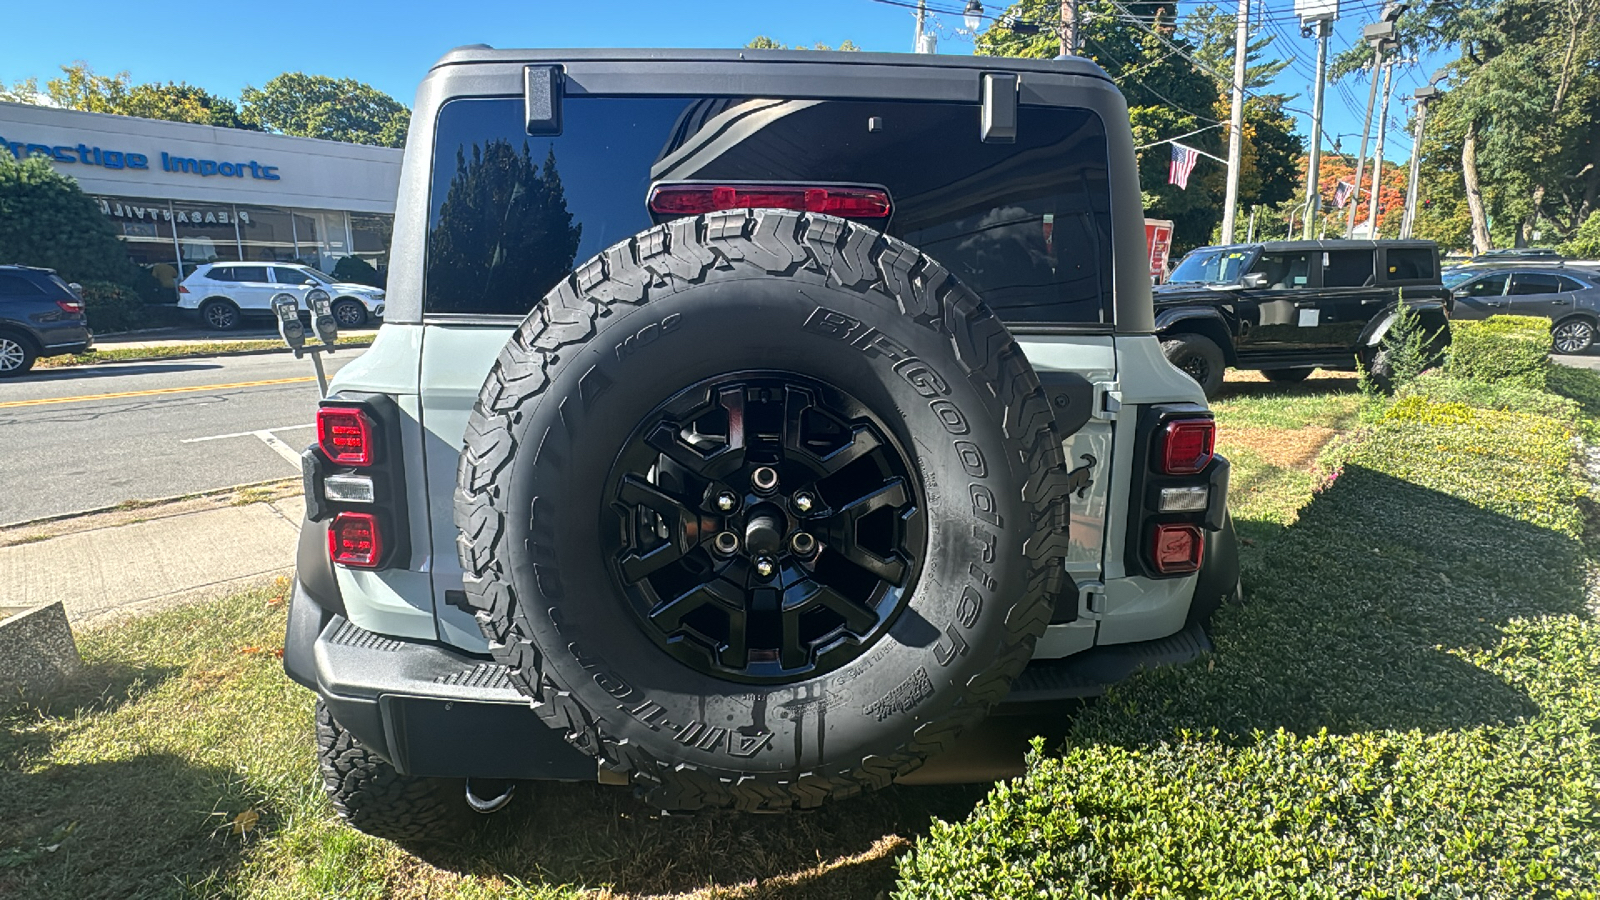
[(1377, 153), (1424, 95), (1379, 35), (1241, 40), (923, 42), (1323, 22), (1069, 27)]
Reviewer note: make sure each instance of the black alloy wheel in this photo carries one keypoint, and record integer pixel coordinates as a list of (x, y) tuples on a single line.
[(220, 315), (349, 313), (768, 527)]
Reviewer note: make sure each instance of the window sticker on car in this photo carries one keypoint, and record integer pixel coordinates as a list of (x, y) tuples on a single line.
[(1310, 317)]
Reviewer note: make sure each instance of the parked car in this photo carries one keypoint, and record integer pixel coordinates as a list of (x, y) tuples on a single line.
[(1288, 307), (1518, 254), (224, 293), (40, 315), (796, 448), (1569, 296)]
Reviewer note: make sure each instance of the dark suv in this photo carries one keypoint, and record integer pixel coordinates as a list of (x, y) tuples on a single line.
[(1287, 307), (40, 315)]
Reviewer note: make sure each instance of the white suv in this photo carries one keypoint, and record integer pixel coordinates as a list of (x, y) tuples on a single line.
[(225, 292)]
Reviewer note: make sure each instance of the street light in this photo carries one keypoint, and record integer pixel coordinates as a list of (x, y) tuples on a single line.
[(972, 16)]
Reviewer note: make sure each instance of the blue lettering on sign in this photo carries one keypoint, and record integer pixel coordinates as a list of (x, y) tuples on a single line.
[(120, 159)]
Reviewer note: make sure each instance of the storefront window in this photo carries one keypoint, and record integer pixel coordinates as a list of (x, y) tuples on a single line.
[(370, 235), (320, 238), (145, 227), (206, 233), (266, 234)]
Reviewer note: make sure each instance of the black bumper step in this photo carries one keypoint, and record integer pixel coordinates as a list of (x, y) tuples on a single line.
[(1089, 673)]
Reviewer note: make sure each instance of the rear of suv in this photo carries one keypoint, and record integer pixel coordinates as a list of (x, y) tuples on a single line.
[(40, 315), (1288, 307), (724, 441), (224, 294)]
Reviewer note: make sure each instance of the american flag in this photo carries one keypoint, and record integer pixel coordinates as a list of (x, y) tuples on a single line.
[(1183, 160), (1342, 192)]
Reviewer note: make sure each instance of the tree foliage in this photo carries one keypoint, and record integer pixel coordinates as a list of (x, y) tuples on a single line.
[(762, 42), (47, 220), (80, 87), (503, 226), (333, 109)]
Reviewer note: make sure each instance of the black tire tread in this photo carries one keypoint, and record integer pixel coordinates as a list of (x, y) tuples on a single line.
[(667, 259), (373, 797)]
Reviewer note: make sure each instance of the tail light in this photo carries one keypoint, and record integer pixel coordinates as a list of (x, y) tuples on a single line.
[(1177, 549), (1187, 446), (71, 306), (845, 202), (345, 435), (356, 540), (182, 289)]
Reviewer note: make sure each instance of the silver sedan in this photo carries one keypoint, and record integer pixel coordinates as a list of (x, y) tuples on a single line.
[(1569, 296)]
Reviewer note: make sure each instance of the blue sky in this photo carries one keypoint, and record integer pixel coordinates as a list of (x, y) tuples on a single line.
[(223, 48)]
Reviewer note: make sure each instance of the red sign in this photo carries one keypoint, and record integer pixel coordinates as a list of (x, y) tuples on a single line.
[(1158, 238)]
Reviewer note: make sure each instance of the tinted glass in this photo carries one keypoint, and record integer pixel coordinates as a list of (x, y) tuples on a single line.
[(1569, 284), (1347, 268), (12, 285), (1285, 271), (1409, 263), (221, 273), (256, 274), (1492, 286), (1209, 266), (1524, 283), (291, 276), (1025, 225)]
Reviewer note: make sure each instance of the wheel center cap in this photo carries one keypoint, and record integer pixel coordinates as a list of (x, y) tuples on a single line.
[(763, 531)]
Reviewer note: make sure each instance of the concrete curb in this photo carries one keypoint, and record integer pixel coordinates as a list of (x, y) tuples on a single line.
[(142, 504)]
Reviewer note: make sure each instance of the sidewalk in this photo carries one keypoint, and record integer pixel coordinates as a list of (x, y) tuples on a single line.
[(108, 566)]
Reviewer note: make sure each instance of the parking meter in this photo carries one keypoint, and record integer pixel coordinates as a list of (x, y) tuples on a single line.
[(287, 309), (317, 300)]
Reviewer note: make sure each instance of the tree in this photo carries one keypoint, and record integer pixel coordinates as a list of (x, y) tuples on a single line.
[(333, 109), (762, 42), (503, 228), (47, 220), (1212, 32), (81, 88)]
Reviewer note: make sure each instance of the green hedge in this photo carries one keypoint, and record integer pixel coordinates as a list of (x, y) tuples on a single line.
[(1501, 348), (113, 307)]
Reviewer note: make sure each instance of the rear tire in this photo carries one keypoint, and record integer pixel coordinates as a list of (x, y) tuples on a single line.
[(1287, 376), (371, 796), (16, 355), (219, 315), (1198, 357), (1572, 336), (349, 313)]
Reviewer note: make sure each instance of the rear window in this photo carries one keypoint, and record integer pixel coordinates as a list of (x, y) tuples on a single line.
[(1524, 283), (1409, 263), (18, 286), (1025, 225), (221, 273), (1347, 268)]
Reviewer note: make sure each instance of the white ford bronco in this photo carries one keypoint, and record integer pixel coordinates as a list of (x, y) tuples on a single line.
[(745, 427)]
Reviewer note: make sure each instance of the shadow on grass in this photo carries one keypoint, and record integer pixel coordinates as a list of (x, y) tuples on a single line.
[(1357, 618), (592, 835), (96, 688), (1340, 383), (143, 826)]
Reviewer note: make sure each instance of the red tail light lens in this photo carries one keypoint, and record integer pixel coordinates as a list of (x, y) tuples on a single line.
[(71, 306), (845, 202), (345, 435), (355, 540), (1176, 549), (182, 289), (1187, 446)]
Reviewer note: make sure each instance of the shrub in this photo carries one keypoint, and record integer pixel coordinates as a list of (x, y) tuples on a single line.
[(113, 307), (47, 220), (1585, 243), (1502, 348), (355, 270)]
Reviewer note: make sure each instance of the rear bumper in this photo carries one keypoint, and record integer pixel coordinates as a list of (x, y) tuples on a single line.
[(429, 710)]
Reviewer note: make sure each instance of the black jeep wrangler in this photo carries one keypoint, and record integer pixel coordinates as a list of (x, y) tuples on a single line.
[(1287, 307)]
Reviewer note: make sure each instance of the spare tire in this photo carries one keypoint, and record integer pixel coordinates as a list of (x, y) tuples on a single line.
[(762, 509)]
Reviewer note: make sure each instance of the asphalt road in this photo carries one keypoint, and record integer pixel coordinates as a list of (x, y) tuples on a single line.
[(84, 438)]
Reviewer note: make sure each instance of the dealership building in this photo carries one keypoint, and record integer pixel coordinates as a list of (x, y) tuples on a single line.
[(179, 194)]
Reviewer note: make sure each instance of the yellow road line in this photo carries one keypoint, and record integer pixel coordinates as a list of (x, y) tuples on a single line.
[(46, 401)]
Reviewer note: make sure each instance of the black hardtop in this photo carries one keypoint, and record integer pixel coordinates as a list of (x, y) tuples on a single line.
[(483, 53), (1295, 246)]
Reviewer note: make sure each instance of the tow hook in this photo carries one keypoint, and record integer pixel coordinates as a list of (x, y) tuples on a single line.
[(499, 801)]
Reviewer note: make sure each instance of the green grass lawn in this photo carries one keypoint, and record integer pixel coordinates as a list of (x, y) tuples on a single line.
[(182, 351), (1408, 704)]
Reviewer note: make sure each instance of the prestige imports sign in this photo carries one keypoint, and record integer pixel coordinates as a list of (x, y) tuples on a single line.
[(83, 154)]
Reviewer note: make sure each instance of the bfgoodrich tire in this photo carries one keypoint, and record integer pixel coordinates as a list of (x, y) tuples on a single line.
[(369, 794), (614, 511)]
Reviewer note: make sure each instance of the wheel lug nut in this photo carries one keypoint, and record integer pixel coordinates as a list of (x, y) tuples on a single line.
[(803, 544), (726, 501), (765, 566), (726, 543), (804, 501), (764, 480)]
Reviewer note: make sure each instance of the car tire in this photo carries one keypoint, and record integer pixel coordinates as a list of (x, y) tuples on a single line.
[(1199, 357), (220, 315), (1287, 376), (372, 796), (1572, 336), (16, 354), (838, 350), (349, 313)]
